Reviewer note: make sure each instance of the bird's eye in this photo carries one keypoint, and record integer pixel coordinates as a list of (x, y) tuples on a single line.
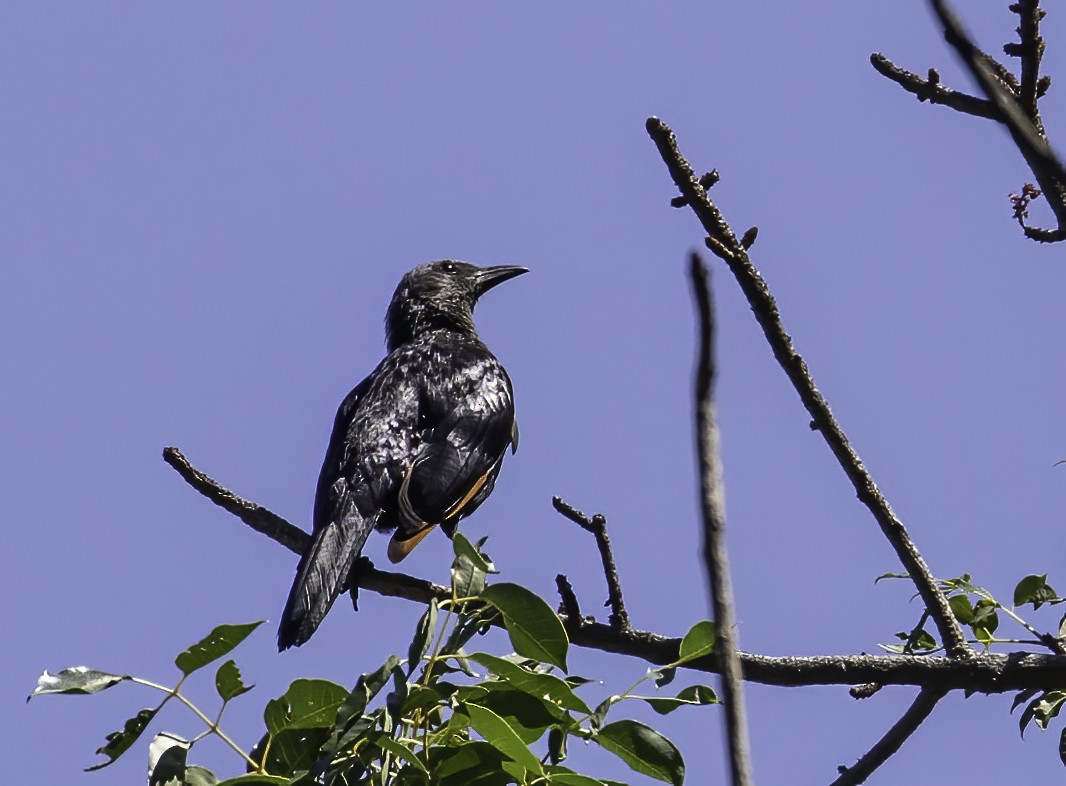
[(449, 267)]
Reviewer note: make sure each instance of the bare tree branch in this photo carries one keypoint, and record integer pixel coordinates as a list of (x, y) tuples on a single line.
[(597, 525), (985, 673), (1008, 100), (932, 91), (725, 245), (893, 740), (712, 508)]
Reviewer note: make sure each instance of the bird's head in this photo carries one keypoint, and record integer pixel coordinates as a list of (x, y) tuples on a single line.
[(441, 295)]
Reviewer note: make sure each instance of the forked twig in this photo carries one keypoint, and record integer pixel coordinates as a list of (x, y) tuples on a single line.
[(597, 525)]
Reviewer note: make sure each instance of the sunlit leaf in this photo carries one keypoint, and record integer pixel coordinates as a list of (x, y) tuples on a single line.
[(535, 630), (537, 684), (79, 679), (214, 645), (698, 642), (1048, 707), (498, 732), (464, 548), (961, 608), (307, 704)]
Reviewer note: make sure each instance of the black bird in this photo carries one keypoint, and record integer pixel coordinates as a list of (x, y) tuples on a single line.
[(417, 443)]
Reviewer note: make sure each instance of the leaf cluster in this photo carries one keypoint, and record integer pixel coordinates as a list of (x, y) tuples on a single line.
[(443, 715)]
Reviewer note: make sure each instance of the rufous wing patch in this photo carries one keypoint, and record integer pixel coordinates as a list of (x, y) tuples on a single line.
[(398, 549)]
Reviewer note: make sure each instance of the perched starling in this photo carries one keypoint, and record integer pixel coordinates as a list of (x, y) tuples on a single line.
[(417, 443)]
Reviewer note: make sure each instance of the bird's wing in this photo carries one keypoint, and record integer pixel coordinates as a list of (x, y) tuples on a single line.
[(327, 504), (455, 467)]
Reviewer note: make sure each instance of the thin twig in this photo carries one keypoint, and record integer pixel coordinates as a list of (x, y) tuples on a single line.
[(712, 508), (934, 92), (984, 673), (725, 244), (894, 738), (258, 518), (597, 525)]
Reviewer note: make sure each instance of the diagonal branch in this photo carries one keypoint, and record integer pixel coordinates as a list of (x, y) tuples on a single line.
[(597, 525), (712, 507), (887, 746), (984, 673), (725, 245)]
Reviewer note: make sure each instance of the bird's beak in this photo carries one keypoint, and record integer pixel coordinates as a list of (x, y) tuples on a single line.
[(488, 277)]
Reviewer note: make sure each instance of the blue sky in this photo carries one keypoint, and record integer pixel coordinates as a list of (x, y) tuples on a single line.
[(204, 209)]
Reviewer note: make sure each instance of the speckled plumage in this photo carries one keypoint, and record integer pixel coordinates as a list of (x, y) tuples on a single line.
[(417, 443)]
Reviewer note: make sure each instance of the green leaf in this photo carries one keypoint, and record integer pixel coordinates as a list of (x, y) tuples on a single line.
[(963, 584), (699, 641), (1023, 697), (644, 750), (307, 704), (423, 632), (597, 717), (1062, 746), (1048, 707), (961, 608), (557, 739), (496, 731), (291, 751), (534, 629), (535, 683), (457, 764), (1027, 715), (401, 751), (1035, 589), (564, 777), (79, 679), (228, 681), (464, 548), (255, 779), (529, 716), (118, 742), (693, 695), (350, 724), (217, 643)]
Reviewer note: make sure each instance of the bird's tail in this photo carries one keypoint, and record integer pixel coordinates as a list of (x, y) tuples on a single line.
[(320, 579)]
